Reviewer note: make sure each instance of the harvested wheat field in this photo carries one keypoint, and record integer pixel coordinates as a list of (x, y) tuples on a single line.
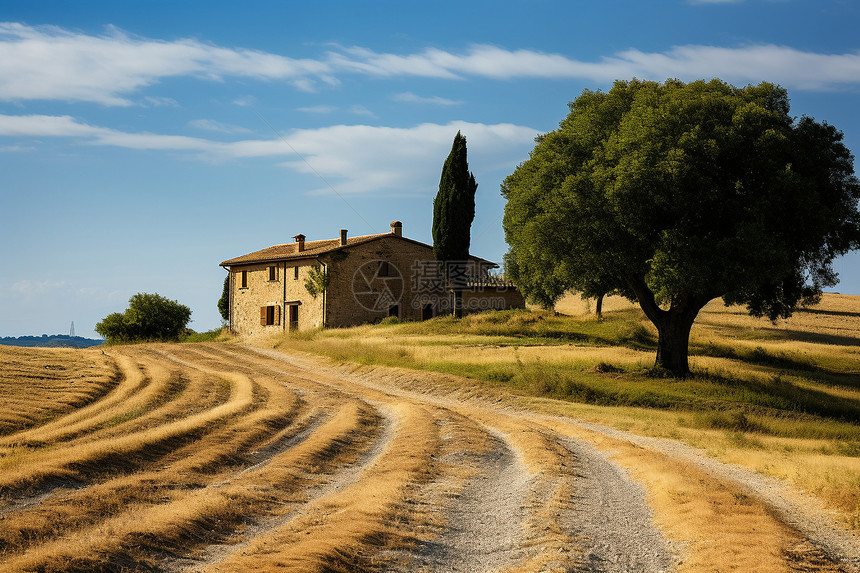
[(237, 457)]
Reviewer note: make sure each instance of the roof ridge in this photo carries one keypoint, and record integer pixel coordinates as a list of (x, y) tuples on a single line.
[(290, 251)]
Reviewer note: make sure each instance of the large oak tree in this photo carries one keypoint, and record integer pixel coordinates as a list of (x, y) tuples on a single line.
[(676, 194)]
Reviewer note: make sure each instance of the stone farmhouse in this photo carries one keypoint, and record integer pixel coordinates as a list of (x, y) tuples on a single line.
[(351, 280)]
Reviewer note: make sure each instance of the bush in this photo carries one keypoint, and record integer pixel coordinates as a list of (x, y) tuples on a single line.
[(215, 335), (149, 317)]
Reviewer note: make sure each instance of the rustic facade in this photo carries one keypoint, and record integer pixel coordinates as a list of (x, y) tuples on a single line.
[(367, 278)]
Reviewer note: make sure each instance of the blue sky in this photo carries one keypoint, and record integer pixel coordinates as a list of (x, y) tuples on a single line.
[(143, 143)]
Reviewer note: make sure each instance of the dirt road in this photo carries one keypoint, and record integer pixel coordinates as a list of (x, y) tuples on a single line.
[(224, 457)]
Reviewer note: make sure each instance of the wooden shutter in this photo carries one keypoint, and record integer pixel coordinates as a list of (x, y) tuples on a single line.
[(277, 321), (263, 316)]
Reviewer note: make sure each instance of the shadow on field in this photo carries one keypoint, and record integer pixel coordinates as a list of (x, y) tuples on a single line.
[(829, 312), (780, 394), (813, 337), (761, 357)]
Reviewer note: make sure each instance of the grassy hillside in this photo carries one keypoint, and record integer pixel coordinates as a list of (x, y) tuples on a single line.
[(223, 457), (783, 397)]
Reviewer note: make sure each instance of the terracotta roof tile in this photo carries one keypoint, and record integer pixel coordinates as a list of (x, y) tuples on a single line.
[(291, 250)]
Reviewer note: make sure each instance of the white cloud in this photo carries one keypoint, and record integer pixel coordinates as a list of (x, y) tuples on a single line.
[(753, 64), (353, 158), (409, 97), (780, 64), (55, 64), (367, 159), (45, 125), (47, 62), (212, 125)]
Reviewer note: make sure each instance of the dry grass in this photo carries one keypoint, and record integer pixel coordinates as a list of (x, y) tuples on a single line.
[(37, 385), (715, 526), (782, 398), (102, 499), (211, 456), (335, 531)]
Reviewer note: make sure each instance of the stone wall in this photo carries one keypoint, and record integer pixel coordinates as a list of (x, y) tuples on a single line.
[(389, 276), (492, 298), (360, 291), (246, 302)]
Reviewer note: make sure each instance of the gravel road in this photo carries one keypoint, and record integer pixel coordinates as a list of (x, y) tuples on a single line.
[(608, 517), (611, 519)]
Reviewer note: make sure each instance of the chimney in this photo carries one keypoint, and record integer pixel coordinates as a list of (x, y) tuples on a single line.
[(343, 233), (300, 239), (397, 228)]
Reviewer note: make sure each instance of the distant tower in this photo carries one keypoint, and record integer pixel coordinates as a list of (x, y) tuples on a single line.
[(72, 329)]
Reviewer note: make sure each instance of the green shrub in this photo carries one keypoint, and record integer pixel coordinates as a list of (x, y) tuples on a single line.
[(149, 317)]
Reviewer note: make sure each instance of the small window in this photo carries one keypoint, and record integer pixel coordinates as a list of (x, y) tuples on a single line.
[(296, 272), (394, 310), (427, 311), (270, 315), (244, 279), (384, 269), (273, 273)]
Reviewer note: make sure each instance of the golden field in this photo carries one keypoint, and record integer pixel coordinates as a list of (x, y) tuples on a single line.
[(350, 450)]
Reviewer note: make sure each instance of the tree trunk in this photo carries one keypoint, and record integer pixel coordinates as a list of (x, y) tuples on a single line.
[(600, 307), (673, 326), (458, 302), (673, 342)]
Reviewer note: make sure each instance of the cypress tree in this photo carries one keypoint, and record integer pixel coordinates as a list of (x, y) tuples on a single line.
[(453, 213)]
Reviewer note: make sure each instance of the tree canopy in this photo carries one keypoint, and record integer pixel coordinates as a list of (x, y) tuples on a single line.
[(149, 317), (675, 194), (454, 206), (224, 301)]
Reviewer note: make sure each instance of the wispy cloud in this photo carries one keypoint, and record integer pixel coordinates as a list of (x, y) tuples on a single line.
[(409, 97), (212, 125), (321, 109), (31, 287), (361, 110), (355, 158), (47, 62), (780, 64), (370, 159), (160, 101), (52, 63), (16, 148), (245, 101)]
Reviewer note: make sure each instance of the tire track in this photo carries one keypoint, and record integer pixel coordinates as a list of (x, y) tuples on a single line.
[(809, 521), (482, 533), (802, 514), (309, 467), (610, 518)]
